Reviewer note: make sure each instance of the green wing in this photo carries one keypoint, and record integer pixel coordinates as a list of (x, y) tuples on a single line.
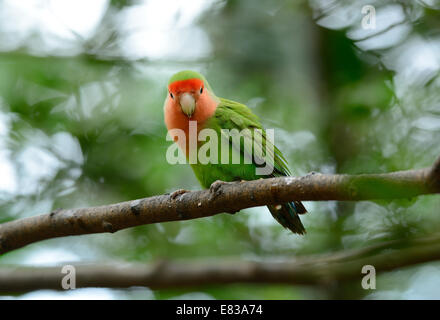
[(233, 115)]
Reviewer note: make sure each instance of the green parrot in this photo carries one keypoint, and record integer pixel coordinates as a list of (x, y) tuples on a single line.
[(191, 102)]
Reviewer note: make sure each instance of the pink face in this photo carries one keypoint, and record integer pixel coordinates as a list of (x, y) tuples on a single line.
[(186, 94), (188, 100)]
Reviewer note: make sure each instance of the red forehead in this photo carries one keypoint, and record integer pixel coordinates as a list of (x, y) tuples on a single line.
[(186, 85)]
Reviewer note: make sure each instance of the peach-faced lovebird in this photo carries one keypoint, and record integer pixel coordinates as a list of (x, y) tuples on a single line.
[(191, 101)]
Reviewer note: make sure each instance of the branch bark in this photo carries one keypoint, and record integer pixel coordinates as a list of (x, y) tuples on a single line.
[(319, 270), (230, 197)]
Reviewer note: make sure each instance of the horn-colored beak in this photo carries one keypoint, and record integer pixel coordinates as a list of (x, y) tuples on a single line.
[(187, 103)]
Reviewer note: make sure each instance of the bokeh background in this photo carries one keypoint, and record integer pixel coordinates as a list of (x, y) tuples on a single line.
[(82, 86)]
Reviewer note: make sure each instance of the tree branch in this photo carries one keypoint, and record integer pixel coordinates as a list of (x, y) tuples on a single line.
[(318, 270), (230, 197)]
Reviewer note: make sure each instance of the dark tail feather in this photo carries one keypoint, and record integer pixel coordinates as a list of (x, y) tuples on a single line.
[(299, 207), (287, 215)]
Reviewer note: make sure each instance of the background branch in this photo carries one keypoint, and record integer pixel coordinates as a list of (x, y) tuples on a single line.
[(230, 197), (317, 270)]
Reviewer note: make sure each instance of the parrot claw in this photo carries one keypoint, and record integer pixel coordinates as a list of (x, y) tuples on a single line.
[(311, 173), (177, 193), (215, 186)]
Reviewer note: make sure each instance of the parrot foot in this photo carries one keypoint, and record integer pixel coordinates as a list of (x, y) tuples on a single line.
[(215, 190), (311, 173), (54, 212), (177, 193), (216, 185)]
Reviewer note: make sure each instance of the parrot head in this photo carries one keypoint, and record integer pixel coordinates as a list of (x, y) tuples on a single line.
[(189, 98), (189, 91)]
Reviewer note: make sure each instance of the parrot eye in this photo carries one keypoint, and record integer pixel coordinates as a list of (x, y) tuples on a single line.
[(201, 90), (171, 95)]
